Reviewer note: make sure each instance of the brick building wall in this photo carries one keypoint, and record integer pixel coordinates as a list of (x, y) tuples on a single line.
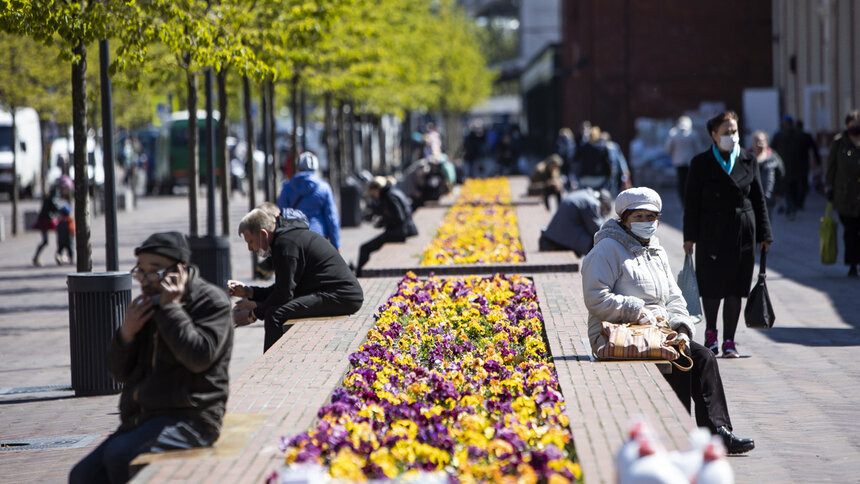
[(625, 59)]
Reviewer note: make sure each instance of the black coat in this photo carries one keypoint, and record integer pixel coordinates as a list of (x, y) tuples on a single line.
[(305, 263), (177, 364), (396, 214), (726, 216)]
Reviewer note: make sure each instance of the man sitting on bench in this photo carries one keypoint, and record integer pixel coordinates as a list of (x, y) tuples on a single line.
[(171, 354), (311, 278)]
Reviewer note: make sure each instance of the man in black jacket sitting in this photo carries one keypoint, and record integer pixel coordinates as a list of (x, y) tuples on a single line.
[(395, 217), (171, 354), (311, 278)]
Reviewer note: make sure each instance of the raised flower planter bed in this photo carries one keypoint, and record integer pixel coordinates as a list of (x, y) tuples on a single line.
[(454, 378)]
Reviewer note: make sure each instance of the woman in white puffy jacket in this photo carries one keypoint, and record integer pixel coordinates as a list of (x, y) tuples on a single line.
[(626, 278)]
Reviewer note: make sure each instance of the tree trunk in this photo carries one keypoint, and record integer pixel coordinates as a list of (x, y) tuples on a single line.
[(367, 141), (250, 164), (273, 136), (333, 168), (264, 135), (303, 114), (221, 147), (16, 188), (294, 110), (351, 134), (406, 140), (193, 155), (83, 244), (341, 141), (380, 135)]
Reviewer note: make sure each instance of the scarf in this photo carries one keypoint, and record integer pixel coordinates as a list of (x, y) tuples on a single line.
[(727, 165)]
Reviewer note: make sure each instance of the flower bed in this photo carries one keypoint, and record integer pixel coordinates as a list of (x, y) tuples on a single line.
[(480, 228), (455, 377)]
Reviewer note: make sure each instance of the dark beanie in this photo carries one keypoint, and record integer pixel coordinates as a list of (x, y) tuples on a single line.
[(172, 245)]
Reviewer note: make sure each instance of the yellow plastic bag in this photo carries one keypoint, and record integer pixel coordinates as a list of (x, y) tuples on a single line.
[(828, 248)]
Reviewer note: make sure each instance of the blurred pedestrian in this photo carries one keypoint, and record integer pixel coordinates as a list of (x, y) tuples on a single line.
[(682, 145), (579, 216), (313, 196), (725, 213), (565, 147), (808, 145), (65, 236), (506, 155), (592, 159), (789, 144), (473, 148), (546, 180), (46, 221), (171, 355), (311, 277), (395, 216), (771, 170), (619, 180), (842, 183)]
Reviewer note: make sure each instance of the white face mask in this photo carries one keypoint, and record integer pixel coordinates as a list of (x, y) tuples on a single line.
[(643, 230), (728, 142)]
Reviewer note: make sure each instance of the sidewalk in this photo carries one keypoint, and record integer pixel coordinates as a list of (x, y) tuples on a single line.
[(795, 394), (36, 401)]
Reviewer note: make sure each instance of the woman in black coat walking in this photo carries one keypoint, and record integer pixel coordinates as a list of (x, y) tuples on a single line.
[(725, 213)]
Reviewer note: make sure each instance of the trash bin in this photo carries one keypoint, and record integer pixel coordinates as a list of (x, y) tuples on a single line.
[(350, 205), (97, 304), (211, 255)]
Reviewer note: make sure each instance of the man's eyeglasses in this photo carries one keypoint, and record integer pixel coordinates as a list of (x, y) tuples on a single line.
[(151, 277)]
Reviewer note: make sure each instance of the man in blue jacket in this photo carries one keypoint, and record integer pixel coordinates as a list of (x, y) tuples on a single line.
[(313, 196)]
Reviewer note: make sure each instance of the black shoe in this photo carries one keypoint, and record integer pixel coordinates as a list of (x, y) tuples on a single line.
[(852, 271), (733, 443)]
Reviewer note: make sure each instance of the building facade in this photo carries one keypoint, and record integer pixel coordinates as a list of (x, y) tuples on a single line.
[(816, 61), (624, 59)]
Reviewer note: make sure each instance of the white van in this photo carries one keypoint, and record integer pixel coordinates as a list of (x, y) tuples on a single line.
[(28, 150), (62, 152)]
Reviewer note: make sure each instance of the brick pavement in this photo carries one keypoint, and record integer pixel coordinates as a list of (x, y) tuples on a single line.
[(796, 394)]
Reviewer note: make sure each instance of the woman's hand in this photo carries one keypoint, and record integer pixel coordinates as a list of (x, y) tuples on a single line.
[(688, 247), (647, 317), (765, 246)]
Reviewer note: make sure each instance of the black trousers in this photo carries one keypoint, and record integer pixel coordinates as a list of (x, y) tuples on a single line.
[(851, 237), (373, 245), (705, 387), (307, 306), (682, 172)]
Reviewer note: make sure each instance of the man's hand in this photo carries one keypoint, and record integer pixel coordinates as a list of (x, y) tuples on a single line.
[(237, 289), (242, 317), (688, 247), (136, 315), (245, 305), (765, 246), (173, 285)]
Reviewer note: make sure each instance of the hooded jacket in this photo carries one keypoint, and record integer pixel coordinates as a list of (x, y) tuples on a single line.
[(396, 213), (305, 263), (620, 277), (576, 221), (177, 364), (313, 196)]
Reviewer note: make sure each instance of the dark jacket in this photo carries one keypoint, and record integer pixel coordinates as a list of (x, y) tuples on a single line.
[(396, 213), (305, 263), (177, 364), (725, 215), (843, 176), (576, 221)]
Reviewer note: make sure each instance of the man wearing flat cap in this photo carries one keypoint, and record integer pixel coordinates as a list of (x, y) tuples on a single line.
[(171, 354)]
